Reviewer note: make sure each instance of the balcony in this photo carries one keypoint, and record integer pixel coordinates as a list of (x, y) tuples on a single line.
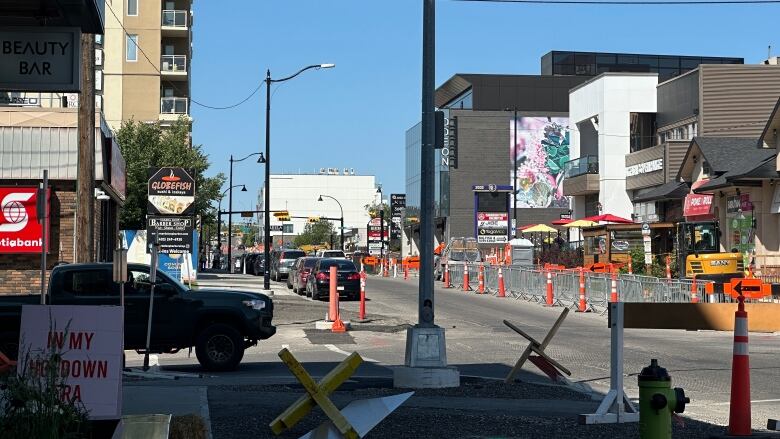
[(171, 108), (174, 67), (581, 176), (175, 23)]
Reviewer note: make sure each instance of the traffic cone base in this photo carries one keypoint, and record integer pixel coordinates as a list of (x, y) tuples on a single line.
[(338, 326)]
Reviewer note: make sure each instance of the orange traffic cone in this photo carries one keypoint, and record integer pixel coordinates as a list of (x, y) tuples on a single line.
[(739, 411), (694, 292), (466, 278), (583, 302), (613, 294), (481, 278), (501, 288), (338, 326), (550, 294)]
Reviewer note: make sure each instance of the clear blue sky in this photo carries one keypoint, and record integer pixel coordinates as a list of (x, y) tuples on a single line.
[(356, 114)]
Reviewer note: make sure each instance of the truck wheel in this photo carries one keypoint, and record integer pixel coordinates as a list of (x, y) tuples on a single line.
[(219, 347)]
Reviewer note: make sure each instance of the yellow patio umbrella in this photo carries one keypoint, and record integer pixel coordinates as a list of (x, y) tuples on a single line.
[(580, 224), (539, 228)]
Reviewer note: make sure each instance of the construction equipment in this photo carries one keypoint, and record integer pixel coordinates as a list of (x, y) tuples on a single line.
[(699, 248)]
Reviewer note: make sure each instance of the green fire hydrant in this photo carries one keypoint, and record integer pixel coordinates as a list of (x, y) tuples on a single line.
[(657, 401)]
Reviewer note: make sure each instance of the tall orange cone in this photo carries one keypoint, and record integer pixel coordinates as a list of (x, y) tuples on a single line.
[(481, 278), (501, 288), (694, 291), (550, 294), (668, 268), (739, 411), (447, 276), (583, 303), (630, 267), (466, 277), (613, 294)]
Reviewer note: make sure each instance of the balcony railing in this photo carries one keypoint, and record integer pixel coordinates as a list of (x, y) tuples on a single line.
[(173, 105), (173, 63), (584, 165), (174, 18)]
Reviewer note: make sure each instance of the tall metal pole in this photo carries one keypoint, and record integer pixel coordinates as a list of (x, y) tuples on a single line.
[(230, 219), (427, 162), (219, 235), (382, 231), (342, 230), (267, 222), (514, 181), (44, 220)]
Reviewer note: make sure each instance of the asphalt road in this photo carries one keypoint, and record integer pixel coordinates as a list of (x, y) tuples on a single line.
[(480, 345)]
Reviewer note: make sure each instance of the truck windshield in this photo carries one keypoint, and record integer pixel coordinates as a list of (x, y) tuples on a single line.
[(171, 280), (702, 238)]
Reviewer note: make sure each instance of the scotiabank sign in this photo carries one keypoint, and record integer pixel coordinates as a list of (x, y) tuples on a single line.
[(20, 231)]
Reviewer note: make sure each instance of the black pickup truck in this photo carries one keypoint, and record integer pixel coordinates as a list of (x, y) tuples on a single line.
[(220, 324)]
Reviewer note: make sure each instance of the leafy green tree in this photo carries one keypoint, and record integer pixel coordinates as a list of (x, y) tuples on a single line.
[(250, 236), (145, 145), (315, 233)]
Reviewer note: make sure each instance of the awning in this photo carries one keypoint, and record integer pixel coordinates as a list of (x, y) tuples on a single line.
[(668, 191)]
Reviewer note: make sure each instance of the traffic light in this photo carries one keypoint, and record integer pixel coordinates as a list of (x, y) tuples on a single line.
[(314, 219), (282, 213), (283, 217)]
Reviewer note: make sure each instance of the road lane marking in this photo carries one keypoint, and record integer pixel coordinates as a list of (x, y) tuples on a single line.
[(756, 401), (335, 349)]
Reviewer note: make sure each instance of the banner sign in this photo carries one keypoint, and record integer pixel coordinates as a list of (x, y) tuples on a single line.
[(397, 206), (40, 59), (20, 231), (492, 227), (174, 233), (171, 191), (90, 341)]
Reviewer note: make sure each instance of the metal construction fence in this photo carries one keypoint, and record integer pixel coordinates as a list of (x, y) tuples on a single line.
[(530, 283)]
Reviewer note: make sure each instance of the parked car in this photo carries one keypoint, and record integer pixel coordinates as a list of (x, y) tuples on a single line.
[(220, 324), (299, 273), (332, 254), (259, 265), (347, 282), (281, 263)]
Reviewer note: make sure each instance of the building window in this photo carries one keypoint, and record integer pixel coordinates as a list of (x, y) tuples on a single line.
[(132, 7), (705, 168), (132, 48)]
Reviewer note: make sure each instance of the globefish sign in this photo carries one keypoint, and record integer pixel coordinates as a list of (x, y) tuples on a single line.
[(20, 231)]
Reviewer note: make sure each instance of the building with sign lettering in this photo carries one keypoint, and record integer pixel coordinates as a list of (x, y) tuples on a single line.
[(34, 139), (299, 193)]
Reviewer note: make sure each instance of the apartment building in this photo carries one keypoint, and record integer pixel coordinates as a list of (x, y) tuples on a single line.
[(146, 64)]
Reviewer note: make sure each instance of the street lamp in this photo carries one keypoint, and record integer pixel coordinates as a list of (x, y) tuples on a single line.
[(219, 222), (342, 217), (267, 219), (230, 197), (381, 223)]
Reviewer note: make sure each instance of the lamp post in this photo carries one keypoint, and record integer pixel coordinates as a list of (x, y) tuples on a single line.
[(381, 223), (261, 159), (267, 191), (342, 217), (219, 223)]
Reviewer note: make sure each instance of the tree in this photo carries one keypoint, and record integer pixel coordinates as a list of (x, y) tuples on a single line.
[(315, 233), (374, 209), (145, 145), (250, 237)]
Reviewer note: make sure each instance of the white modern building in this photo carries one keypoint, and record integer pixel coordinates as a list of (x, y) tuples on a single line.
[(610, 117), (299, 194)]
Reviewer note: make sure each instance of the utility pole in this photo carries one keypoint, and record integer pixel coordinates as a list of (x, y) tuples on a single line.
[(84, 233), (425, 362)]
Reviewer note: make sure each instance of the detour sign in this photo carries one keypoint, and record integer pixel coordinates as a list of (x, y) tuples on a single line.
[(750, 288), (370, 260)]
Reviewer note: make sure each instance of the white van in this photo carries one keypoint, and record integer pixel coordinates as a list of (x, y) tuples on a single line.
[(332, 254)]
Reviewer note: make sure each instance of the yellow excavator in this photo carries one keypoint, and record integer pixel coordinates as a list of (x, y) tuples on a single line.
[(699, 248)]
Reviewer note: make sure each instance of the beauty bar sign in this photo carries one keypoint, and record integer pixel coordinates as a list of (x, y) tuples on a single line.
[(40, 59)]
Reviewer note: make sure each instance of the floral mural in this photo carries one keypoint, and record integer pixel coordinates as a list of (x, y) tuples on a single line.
[(542, 149)]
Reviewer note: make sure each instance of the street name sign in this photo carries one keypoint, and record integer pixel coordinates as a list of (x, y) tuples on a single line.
[(40, 59)]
